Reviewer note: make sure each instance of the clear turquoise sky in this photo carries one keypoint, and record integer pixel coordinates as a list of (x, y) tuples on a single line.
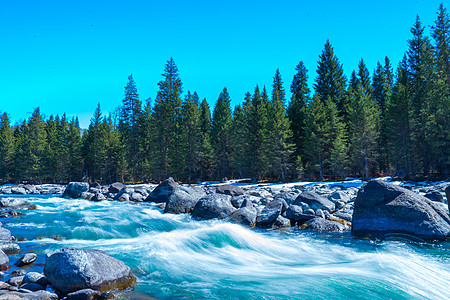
[(66, 56)]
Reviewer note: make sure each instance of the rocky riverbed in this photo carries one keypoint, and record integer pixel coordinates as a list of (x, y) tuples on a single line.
[(327, 207)]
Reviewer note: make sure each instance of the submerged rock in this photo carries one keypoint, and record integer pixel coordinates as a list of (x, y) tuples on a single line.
[(270, 213), (70, 270), (27, 259), (384, 209), (74, 189), (16, 204), (213, 206)]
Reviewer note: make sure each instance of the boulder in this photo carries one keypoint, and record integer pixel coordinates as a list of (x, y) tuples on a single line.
[(15, 281), (183, 200), (5, 235), (315, 201), (213, 206), (39, 295), (27, 259), (4, 261), (321, 224), (162, 192), (70, 270), (137, 197), (295, 214), (270, 213), (435, 196), (245, 215), (282, 222), (230, 190), (115, 187), (16, 204), (339, 196), (35, 277), (9, 248), (98, 197), (86, 294), (74, 189), (18, 191), (383, 209), (289, 197), (86, 195), (32, 287)]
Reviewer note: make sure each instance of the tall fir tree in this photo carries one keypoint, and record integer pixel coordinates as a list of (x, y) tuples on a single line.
[(166, 115), (221, 135), (239, 139), (280, 134), (297, 110), (7, 145), (206, 151), (74, 148)]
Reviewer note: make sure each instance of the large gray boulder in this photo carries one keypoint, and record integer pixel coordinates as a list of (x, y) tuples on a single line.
[(75, 189), (315, 201), (183, 200), (295, 214), (270, 213), (16, 204), (163, 191), (245, 216), (230, 190), (383, 209), (115, 187), (70, 270), (4, 261), (213, 206)]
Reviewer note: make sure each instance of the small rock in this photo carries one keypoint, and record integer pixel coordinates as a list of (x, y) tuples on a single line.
[(35, 277), (315, 201), (245, 216), (270, 213), (32, 287), (20, 272), (86, 294), (9, 248), (282, 222), (98, 197), (4, 261), (321, 224), (229, 189), (115, 187), (319, 213), (15, 281), (27, 259)]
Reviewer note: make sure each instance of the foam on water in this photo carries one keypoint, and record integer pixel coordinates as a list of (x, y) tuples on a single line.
[(174, 256)]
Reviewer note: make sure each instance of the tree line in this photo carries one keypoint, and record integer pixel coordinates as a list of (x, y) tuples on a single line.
[(364, 126)]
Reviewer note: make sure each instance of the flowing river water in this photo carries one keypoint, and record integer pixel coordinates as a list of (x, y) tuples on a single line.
[(176, 257)]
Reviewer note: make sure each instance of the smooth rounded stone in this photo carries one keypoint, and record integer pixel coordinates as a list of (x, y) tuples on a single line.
[(282, 222), (383, 209), (27, 259), (85, 294), (183, 200), (123, 197), (289, 197), (4, 261), (20, 272), (321, 224), (339, 196), (245, 215), (315, 201), (137, 197), (35, 277), (5, 235), (270, 213), (343, 215), (435, 196), (98, 197), (30, 286), (319, 213), (15, 281), (163, 191), (115, 187), (295, 214), (18, 191), (70, 270), (9, 248), (75, 189), (230, 190), (16, 204), (39, 295), (309, 212), (213, 206)]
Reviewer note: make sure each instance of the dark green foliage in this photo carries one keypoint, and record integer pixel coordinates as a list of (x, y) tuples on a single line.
[(206, 151), (221, 135), (6, 149)]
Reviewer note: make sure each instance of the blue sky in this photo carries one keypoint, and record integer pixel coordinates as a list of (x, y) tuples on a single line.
[(66, 56)]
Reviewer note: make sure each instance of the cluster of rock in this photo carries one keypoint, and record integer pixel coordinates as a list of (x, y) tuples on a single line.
[(374, 211), (30, 189)]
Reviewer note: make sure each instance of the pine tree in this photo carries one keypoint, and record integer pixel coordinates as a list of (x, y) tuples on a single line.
[(280, 134), (221, 134), (297, 111), (206, 151), (167, 116), (420, 73), (129, 116), (240, 139), (6, 149), (37, 143), (74, 148), (330, 81)]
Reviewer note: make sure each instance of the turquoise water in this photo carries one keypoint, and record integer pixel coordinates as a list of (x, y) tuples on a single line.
[(175, 257)]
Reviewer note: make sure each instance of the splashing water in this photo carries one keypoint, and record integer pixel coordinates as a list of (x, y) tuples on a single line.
[(174, 256)]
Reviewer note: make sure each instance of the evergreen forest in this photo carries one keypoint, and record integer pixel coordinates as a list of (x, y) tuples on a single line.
[(372, 123)]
